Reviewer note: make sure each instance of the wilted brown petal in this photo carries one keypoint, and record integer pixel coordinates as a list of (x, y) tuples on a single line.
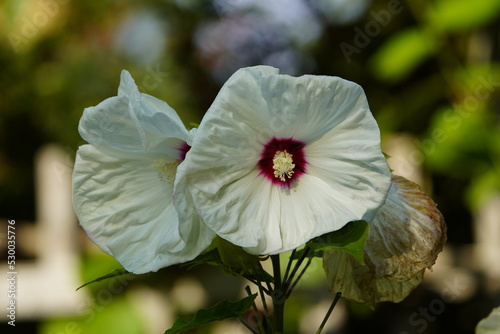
[(407, 233), (404, 239), (490, 324), (359, 284)]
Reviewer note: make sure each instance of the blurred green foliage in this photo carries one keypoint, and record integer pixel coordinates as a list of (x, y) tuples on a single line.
[(430, 68), (119, 316)]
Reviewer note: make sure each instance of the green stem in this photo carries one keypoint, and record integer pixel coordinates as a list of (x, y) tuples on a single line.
[(292, 285), (256, 313), (264, 305), (257, 283), (289, 265), (297, 266), (278, 296), (335, 300), (244, 323)]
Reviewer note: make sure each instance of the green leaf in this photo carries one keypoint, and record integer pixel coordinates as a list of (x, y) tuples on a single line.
[(210, 257), (350, 239), (460, 15), (298, 254), (401, 54), (220, 311), (114, 273), (235, 259)]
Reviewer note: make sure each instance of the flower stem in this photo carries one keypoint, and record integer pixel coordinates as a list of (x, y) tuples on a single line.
[(289, 265), (244, 323), (292, 285), (256, 313), (296, 267), (335, 300), (267, 318), (278, 296)]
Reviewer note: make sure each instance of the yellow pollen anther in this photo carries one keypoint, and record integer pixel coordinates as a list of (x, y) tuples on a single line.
[(166, 170), (283, 165)]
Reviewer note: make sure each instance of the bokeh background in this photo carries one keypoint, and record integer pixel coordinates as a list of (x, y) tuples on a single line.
[(430, 70)]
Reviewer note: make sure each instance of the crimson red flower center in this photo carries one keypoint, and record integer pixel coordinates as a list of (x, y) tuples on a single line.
[(183, 150), (282, 160)]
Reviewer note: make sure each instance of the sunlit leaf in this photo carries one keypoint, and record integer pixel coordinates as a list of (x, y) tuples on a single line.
[(350, 239), (119, 315), (401, 54), (459, 136), (220, 311), (459, 15), (484, 186)]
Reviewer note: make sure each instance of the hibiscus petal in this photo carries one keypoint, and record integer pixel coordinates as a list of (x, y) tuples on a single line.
[(407, 233), (132, 121), (110, 124), (128, 211), (312, 200), (490, 324), (249, 199), (350, 160), (308, 107), (304, 108)]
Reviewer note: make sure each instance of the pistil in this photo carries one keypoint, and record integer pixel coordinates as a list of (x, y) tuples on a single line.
[(283, 165)]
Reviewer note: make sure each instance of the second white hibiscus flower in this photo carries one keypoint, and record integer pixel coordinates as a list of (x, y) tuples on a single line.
[(123, 182)]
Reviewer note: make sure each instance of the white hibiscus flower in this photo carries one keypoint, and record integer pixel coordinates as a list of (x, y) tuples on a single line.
[(123, 182), (279, 160)]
